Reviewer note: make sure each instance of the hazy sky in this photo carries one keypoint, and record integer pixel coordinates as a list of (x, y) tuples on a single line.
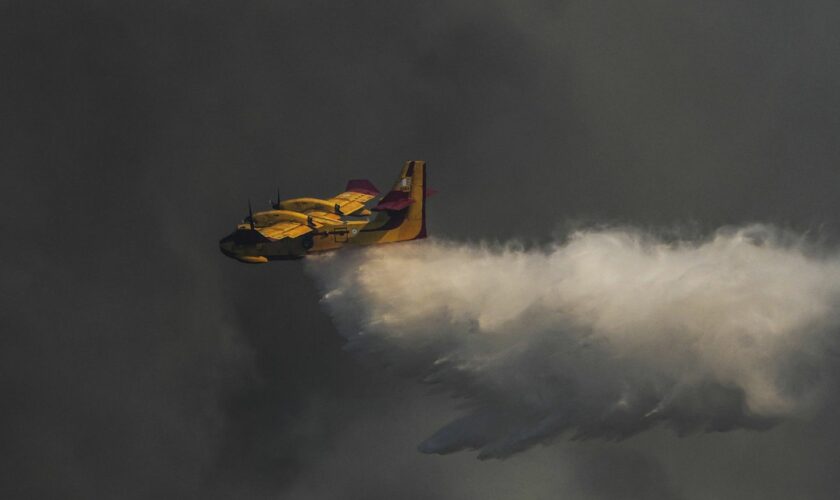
[(139, 362)]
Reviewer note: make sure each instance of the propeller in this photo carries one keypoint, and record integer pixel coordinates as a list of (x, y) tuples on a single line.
[(339, 213), (251, 215), (276, 205)]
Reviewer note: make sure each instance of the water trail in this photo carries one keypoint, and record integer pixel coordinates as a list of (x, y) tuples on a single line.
[(601, 336)]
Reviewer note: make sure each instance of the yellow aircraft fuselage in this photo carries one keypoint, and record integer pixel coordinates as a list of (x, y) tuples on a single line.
[(301, 226)]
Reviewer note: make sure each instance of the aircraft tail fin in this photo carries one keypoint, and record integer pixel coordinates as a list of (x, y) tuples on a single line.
[(405, 203)]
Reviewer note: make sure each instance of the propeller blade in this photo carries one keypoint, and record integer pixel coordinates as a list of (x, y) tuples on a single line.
[(251, 215), (339, 213)]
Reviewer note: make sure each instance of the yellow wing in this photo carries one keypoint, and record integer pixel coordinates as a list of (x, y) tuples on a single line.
[(284, 229), (350, 202), (325, 218), (356, 194)]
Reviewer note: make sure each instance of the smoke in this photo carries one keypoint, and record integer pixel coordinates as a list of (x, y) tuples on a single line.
[(603, 335)]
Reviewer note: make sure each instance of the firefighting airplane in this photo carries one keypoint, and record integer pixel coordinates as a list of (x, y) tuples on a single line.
[(300, 226)]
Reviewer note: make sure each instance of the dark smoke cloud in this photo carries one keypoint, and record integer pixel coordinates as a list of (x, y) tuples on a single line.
[(138, 362)]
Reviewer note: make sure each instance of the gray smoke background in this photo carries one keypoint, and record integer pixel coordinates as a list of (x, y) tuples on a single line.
[(604, 335), (138, 362)]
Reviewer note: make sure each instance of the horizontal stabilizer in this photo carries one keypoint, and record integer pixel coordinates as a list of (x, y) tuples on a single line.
[(395, 200), (362, 186)]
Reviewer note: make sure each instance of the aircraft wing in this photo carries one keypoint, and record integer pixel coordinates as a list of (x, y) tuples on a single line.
[(325, 218), (356, 194), (284, 229)]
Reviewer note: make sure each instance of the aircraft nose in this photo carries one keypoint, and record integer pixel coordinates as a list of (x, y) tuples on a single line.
[(226, 245)]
